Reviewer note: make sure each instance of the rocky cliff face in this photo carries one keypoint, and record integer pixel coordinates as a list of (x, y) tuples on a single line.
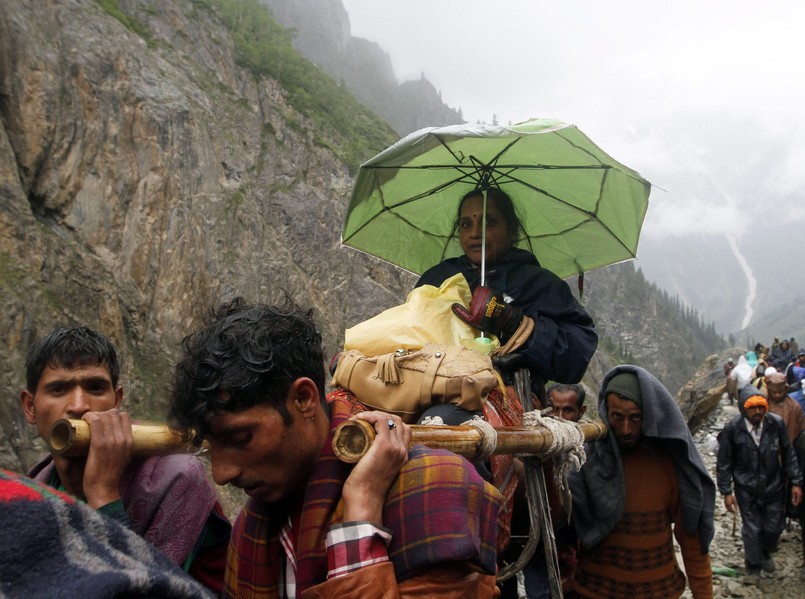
[(146, 176)]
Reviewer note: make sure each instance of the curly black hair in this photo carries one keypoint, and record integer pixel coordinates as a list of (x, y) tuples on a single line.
[(70, 347), (253, 352)]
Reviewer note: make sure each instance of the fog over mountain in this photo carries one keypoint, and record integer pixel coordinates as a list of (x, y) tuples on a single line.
[(700, 98)]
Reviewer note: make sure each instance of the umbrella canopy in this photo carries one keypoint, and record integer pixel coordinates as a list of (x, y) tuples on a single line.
[(579, 208)]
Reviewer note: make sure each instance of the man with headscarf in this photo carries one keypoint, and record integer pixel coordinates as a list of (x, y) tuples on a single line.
[(784, 405), (643, 477), (756, 456)]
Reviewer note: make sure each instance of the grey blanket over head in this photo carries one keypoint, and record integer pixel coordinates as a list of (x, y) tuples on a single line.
[(598, 489)]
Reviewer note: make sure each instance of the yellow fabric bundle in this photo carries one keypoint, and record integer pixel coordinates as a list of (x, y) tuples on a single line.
[(425, 317)]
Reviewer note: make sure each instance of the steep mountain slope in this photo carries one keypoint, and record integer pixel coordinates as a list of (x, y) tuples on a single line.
[(640, 324), (151, 165), (322, 34)]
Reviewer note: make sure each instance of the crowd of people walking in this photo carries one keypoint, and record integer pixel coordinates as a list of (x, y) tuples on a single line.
[(761, 451)]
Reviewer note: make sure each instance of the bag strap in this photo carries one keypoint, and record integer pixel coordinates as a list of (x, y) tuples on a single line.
[(518, 339), (346, 366), (429, 376)]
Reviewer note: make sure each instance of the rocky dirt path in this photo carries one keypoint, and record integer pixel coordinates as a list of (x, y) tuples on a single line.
[(726, 551)]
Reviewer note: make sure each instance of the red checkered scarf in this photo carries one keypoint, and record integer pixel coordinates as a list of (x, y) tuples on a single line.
[(439, 510), (504, 410)]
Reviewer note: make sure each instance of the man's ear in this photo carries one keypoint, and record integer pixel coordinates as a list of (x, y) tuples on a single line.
[(27, 403), (118, 396), (304, 398), (583, 411)]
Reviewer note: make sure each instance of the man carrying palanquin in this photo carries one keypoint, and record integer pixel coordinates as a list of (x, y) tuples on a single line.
[(399, 523), (73, 373)]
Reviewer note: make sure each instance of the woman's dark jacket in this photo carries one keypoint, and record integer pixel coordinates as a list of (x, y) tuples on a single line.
[(564, 337)]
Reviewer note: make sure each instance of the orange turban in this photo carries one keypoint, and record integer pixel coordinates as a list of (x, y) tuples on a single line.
[(756, 401)]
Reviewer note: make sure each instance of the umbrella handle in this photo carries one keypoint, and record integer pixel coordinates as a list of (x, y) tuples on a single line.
[(483, 246), (483, 243)]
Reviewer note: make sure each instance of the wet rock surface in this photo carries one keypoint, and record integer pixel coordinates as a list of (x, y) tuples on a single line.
[(726, 551)]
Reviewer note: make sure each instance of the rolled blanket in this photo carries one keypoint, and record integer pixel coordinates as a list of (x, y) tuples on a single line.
[(54, 546)]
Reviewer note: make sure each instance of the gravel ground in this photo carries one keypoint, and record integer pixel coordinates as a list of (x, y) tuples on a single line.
[(726, 551)]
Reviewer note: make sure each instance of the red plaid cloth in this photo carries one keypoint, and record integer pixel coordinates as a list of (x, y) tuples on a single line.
[(438, 510), (504, 410)]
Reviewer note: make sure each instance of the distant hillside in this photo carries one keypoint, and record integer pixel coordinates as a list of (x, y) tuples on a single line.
[(784, 321), (321, 33), (704, 273), (639, 323)]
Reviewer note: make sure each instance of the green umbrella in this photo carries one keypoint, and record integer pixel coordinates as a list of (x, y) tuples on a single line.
[(580, 209)]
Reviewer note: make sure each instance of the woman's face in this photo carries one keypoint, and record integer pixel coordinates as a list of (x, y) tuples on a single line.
[(499, 239)]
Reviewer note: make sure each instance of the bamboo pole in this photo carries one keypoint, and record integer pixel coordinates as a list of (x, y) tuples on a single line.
[(352, 439), (72, 437)]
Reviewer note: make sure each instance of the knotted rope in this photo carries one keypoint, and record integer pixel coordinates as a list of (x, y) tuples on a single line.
[(489, 436), (567, 446)]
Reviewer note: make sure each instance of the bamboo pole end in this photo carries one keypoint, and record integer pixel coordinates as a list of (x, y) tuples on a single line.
[(352, 439), (62, 436)]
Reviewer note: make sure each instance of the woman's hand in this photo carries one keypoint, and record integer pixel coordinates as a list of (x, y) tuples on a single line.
[(369, 482), (489, 313)]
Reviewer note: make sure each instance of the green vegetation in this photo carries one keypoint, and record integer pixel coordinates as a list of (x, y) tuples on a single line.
[(264, 48), (10, 277), (617, 350), (112, 8), (675, 311), (145, 393), (630, 288), (235, 201)]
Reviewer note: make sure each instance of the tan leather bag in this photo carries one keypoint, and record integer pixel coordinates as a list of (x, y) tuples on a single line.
[(407, 382)]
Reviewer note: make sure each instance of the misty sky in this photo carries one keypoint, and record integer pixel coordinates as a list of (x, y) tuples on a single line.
[(704, 99)]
